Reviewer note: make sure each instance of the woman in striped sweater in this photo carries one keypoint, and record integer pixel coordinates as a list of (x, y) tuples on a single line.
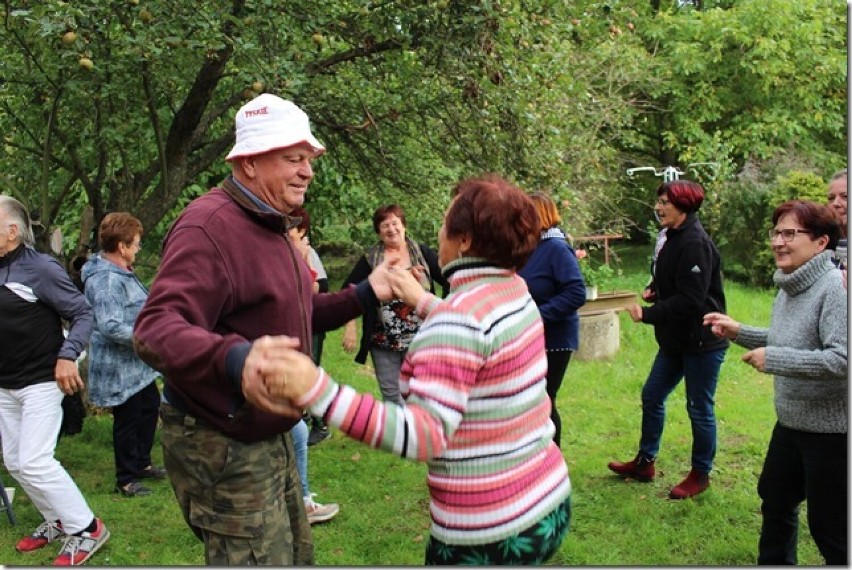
[(474, 385)]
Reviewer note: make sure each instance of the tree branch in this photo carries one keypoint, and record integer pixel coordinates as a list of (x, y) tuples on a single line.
[(351, 55)]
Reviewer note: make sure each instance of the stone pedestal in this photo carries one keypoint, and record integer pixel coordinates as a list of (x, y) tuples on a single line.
[(599, 335)]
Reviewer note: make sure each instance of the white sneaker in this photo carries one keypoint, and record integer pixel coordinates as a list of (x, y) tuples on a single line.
[(319, 513)]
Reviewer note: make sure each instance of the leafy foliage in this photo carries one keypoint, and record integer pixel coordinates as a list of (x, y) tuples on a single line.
[(124, 105), (749, 203)]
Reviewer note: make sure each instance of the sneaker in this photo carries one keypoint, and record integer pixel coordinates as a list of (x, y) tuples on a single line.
[(79, 548), (318, 435), (641, 468), (153, 472), (133, 489), (696, 482), (47, 532), (319, 513)]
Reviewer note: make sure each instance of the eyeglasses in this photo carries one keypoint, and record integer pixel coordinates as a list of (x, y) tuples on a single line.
[(137, 245), (787, 235), (663, 201)]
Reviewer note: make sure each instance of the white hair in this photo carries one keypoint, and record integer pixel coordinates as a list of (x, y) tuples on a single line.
[(16, 213)]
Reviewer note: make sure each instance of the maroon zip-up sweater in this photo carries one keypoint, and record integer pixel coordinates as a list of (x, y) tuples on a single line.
[(230, 274)]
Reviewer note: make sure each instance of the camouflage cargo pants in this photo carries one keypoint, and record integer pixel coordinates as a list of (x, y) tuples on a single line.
[(243, 500)]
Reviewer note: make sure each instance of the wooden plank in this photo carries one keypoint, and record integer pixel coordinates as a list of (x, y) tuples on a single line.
[(611, 301)]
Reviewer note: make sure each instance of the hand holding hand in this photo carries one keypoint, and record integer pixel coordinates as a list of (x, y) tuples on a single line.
[(756, 358), (67, 376), (298, 377), (265, 358), (406, 286), (419, 273), (722, 325), (380, 279)]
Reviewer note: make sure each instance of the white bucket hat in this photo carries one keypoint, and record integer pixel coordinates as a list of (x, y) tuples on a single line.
[(268, 122)]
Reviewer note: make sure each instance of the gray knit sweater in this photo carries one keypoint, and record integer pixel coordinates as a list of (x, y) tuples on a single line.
[(806, 347)]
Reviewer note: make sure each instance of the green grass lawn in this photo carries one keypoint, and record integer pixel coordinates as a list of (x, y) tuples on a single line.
[(384, 516)]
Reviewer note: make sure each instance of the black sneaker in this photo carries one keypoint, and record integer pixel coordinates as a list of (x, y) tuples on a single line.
[(133, 489), (318, 435), (153, 472)]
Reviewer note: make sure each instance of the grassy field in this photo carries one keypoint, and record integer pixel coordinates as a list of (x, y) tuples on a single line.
[(384, 504)]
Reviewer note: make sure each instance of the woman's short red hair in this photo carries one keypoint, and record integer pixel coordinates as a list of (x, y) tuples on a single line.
[(500, 219), (685, 195)]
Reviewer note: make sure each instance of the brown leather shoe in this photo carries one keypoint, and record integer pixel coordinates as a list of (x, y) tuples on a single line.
[(641, 468), (696, 482)]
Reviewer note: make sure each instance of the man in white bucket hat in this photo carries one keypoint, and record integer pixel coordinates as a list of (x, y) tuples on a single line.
[(232, 290)]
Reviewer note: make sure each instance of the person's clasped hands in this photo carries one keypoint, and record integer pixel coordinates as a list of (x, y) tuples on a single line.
[(406, 284), (276, 373), (290, 375), (268, 357)]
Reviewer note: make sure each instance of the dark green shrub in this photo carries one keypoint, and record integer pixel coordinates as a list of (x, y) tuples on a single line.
[(748, 204)]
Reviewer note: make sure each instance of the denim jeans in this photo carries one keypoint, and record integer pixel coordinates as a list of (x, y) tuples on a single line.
[(300, 446), (701, 371)]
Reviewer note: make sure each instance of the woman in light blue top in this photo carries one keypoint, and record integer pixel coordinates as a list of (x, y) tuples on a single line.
[(117, 377)]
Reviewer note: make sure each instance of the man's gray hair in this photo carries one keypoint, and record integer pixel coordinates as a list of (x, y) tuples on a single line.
[(16, 213), (838, 175)]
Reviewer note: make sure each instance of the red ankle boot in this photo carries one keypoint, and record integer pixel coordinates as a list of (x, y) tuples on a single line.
[(696, 482), (641, 468)]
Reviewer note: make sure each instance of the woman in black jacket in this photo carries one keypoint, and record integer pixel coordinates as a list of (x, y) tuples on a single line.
[(686, 284), (387, 332)]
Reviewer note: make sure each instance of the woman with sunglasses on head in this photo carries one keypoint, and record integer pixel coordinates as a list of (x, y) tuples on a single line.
[(686, 284), (805, 348)]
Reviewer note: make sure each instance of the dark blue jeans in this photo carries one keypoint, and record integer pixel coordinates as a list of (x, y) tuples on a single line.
[(701, 370)]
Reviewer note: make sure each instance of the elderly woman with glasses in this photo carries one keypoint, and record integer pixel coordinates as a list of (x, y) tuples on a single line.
[(686, 284), (805, 348), (118, 379)]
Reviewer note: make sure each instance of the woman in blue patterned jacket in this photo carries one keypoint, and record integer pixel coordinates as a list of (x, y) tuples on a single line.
[(117, 377)]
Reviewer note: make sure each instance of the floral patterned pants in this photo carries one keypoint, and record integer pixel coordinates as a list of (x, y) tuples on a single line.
[(531, 546)]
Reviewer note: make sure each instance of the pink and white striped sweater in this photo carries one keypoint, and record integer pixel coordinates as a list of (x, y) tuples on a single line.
[(476, 409)]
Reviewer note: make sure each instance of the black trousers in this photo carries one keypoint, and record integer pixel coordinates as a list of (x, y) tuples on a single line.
[(133, 426), (804, 466), (557, 363)]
